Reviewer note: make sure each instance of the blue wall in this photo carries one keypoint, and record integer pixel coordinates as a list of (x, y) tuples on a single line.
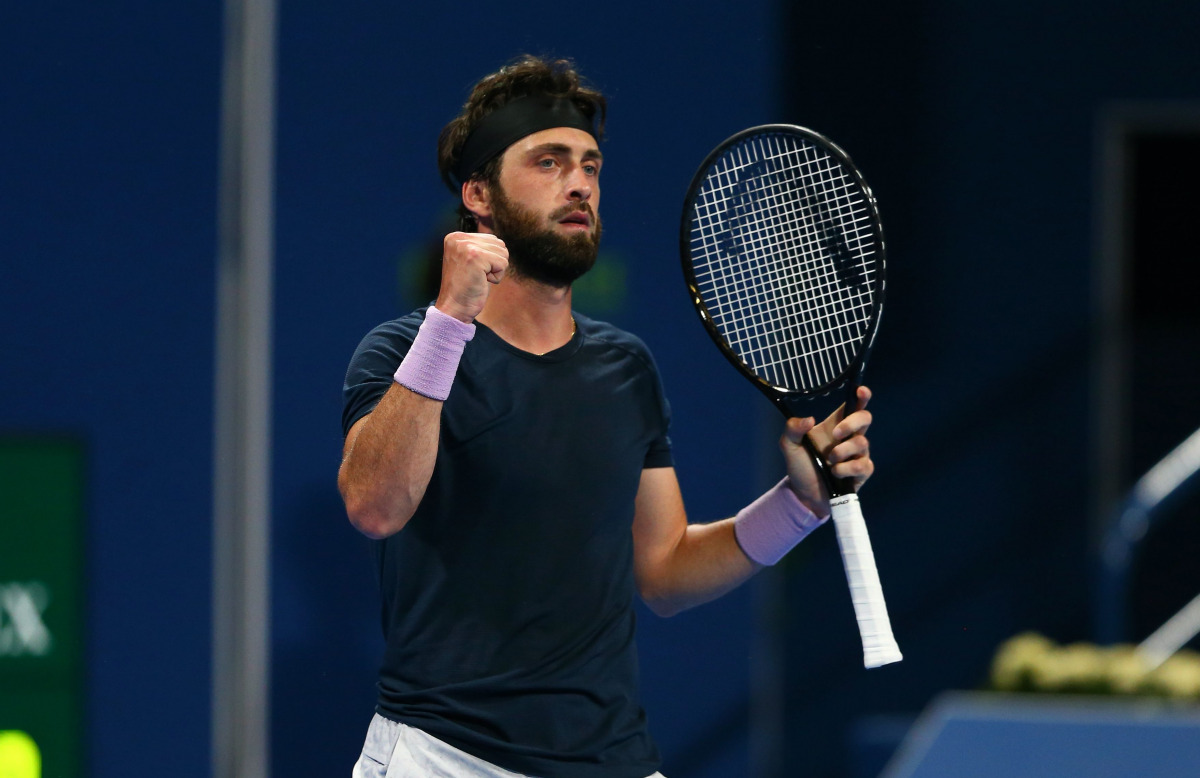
[(108, 128), (974, 124), (977, 126)]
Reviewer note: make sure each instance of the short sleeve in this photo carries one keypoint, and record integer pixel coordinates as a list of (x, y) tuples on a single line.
[(369, 375), (659, 452)]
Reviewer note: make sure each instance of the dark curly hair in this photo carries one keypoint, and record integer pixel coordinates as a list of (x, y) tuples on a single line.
[(527, 75)]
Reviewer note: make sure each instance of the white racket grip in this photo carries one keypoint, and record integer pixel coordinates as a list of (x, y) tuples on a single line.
[(879, 645)]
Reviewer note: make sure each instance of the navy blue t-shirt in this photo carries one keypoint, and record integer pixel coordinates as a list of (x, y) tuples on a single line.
[(508, 597)]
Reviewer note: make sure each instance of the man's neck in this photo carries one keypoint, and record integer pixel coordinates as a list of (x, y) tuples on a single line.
[(531, 316)]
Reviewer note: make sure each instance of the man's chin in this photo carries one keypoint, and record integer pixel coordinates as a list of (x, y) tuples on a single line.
[(558, 275), (555, 255), (559, 264), (569, 231)]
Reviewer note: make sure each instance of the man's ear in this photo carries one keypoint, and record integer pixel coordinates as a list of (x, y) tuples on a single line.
[(477, 198)]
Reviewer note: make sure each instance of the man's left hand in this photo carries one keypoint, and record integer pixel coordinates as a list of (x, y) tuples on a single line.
[(842, 443)]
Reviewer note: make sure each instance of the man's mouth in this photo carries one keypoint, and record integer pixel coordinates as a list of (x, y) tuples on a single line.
[(577, 218)]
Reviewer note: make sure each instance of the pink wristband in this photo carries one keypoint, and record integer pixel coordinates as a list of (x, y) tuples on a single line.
[(429, 366), (772, 525)]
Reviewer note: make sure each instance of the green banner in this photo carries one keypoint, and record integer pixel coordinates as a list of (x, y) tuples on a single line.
[(41, 608)]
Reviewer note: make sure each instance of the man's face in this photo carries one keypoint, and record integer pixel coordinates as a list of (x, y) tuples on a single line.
[(545, 207)]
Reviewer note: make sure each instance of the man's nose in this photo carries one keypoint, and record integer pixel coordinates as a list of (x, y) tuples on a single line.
[(579, 185)]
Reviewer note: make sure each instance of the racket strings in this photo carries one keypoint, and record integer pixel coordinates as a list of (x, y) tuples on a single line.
[(782, 252), (745, 288), (812, 286), (765, 276)]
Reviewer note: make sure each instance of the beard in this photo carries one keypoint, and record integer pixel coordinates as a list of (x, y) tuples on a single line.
[(536, 251)]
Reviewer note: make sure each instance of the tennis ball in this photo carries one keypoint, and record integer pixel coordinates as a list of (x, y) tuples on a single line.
[(19, 755)]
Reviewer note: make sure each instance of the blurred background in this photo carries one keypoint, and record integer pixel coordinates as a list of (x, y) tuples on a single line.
[(1036, 168)]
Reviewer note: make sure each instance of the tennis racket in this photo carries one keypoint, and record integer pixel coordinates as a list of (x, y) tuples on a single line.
[(783, 253)]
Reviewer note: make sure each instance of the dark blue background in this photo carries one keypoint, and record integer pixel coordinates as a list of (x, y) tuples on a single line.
[(976, 125)]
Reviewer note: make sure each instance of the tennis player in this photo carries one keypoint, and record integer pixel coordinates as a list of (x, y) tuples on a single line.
[(511, 458)]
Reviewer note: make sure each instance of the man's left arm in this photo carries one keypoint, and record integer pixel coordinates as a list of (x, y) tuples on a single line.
[(679, 565)]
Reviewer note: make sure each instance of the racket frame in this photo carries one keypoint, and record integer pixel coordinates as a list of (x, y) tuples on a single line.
[(787, 399), (879, 644)]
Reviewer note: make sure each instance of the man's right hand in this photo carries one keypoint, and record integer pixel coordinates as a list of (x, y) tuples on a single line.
[(471, 262)]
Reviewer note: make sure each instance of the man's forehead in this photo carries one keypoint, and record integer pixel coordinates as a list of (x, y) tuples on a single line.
[(558, 139)]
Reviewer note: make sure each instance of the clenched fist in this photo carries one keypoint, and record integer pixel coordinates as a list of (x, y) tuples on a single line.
[(471, 261)]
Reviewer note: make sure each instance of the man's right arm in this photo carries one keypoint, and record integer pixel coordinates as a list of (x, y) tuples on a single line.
[(389, 454), (387, 461)]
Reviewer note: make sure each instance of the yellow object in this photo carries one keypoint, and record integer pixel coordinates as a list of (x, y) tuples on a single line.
[(19, 755)]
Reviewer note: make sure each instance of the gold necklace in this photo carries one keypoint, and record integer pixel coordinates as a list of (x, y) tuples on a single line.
[(573, 329)]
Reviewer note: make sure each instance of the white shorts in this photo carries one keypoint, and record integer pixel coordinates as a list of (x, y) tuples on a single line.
[(395, 750)]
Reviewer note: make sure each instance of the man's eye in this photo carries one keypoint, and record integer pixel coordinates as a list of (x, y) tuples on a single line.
[(546, 163), (591, 170)]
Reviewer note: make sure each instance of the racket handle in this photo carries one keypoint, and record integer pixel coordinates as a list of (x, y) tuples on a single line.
[(879, 645)]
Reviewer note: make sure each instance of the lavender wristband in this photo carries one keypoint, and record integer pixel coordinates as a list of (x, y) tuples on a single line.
[(772, 525), (429, 367)]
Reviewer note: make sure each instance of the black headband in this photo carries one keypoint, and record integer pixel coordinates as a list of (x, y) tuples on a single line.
[(511, 122)]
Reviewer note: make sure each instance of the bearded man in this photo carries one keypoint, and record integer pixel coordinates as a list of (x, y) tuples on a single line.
[(516, 517)]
